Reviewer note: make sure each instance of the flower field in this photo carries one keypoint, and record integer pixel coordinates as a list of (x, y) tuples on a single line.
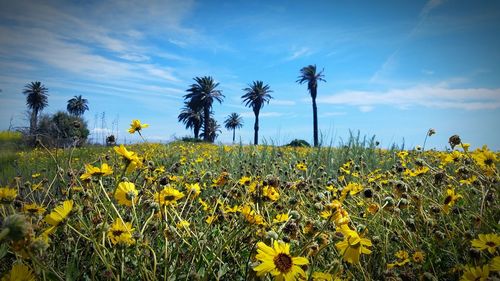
[(186, 211)]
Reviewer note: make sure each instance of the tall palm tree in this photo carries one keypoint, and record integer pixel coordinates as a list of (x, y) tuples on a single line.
[(77, 106), (213, 130), (308, 74), (233, 122), (192, 118), (256, 95), (202, 94), (36, 100)]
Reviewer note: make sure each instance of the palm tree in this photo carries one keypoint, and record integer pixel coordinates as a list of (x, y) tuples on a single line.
[(202, 95), (308, 74), (256, 95), (192, 118), (77, 106), (36, 100), (213, 129), (233, 122)]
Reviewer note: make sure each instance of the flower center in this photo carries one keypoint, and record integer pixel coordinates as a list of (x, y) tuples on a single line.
[(169, 198), (491, 244), (117, 232), (447, 200), (488, 161), (283, 262)]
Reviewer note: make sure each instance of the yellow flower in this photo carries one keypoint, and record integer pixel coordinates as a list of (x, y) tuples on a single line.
[(193, 189), (125, 193), (221, 180), (353, 245), (183, 224), (33, 209), (418, 257), (136, 126), (281, 218), (60, 213), (7, 195), (204, 204), (475, 273), (131, 159), (19, 272), (251, 216), (487, 242), (271, 193), (278, 261), (168, 196), (245, 180), (321, 276), (403, 258), (90, 171), (301, 167), (450, 199), (495, 264), (121, 232)]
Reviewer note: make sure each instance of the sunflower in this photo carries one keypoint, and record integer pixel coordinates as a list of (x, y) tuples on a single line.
[(321, 276), (60, 213), (130, 158), (487, 242), (168, 196), (136, 126), (125, 193), (33, 209), (278, 261), (475, 273), (301, 167), (19, 272), (7, 195), (90, 171), (281, 218), (121, 233), (353, 245), (495, 264), (194, 190), (450, 199)]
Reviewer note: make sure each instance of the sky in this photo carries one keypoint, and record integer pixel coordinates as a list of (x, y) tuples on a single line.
[(393, 69)]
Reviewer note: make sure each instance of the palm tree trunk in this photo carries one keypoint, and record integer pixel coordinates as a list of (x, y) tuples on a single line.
[(33, 121), (206, 128), (256, 129), (315, 122), (196, 132), (234, 132)]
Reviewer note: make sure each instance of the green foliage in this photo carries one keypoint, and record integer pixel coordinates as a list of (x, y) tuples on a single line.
[(62, 130), (298, 143)]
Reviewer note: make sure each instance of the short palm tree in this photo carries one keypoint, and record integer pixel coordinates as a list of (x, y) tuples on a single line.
[(308, 74), (213, 130), (77, 106), (36, 100), (202, 95), (233, 122), (192, 118), (256, 95)]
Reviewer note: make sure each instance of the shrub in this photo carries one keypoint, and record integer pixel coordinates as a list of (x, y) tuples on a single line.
[(299, 143), (62, 130)]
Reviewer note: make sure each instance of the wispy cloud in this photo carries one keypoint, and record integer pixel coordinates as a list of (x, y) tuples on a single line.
[(435, 96), (298, 53), (283, 102), (390, 64)]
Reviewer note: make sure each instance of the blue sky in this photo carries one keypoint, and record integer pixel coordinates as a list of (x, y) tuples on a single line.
[(394, 69)]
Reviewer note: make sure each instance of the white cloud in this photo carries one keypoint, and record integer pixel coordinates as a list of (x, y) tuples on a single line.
[(302, 52), (283, 102), (435, 96)]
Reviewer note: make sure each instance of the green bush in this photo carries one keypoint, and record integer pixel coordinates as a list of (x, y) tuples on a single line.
[(62, 130), (299, 143)]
